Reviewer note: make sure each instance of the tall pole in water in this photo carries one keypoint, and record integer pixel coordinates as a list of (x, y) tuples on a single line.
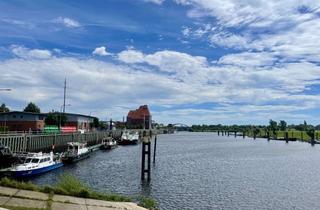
[(64, 95)]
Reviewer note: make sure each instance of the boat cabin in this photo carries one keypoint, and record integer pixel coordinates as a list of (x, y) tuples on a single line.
[(77, 147)]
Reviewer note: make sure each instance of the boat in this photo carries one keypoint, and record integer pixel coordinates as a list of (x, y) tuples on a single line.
[(7, 158), (108, 143), (129, 137), (34, 164), (76, 151)]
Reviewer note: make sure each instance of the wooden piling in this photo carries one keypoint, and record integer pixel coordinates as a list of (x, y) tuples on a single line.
[(146, 151), (154, 149), (286, 136)]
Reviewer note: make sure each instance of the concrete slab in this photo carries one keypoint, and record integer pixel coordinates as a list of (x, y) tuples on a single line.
[(3, 200), (69, 199), (32, 195), (100, 208), (67, 206), (8, 191), (93, 202), (21, 202)]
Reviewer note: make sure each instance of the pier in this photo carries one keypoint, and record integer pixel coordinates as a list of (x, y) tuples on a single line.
[(46, 142)]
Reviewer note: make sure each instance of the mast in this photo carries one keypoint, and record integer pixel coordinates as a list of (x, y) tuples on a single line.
[(64, 95)]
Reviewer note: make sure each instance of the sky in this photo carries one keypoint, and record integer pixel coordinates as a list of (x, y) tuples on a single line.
[(191, 61)]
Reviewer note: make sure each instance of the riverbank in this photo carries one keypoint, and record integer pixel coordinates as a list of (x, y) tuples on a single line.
[(12, 198), (68, 193)]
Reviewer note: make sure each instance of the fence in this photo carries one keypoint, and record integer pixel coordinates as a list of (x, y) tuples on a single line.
[(34, 143)]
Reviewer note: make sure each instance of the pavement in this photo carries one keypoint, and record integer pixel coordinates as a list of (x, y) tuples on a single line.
[(11, 197)]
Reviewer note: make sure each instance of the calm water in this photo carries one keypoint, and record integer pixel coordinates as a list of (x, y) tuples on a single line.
[(206, 171)]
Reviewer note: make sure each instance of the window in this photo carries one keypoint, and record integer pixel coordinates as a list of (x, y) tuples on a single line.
[(28, 160), (35, 160), (21, 116)]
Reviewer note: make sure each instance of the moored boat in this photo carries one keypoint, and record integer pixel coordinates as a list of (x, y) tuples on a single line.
[(108, 143), (76, 151), (34, 164), (129, 137)]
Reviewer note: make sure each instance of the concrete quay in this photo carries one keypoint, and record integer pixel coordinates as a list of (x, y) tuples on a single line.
[(11, 197)]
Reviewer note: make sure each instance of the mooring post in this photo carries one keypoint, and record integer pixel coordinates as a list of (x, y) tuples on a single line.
[(287, 136), (218, 133), (268, 135), (228, 133), (235, 134), (243, 134), (312, 141), (155, 149), (222, 133), (254, 135), (146, 150)]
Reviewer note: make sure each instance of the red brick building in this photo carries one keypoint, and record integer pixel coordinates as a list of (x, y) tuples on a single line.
[(22, 121), (139, 118)]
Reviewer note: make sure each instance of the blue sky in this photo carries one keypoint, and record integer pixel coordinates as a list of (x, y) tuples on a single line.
[(192, 61)]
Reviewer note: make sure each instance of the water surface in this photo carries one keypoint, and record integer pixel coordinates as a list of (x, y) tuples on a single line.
[(206, 171)]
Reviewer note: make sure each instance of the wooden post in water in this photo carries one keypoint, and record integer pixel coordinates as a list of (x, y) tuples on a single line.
[(243, 134), (286, 136), (312, 141), (146, 151), (235, 134), (268, 135), (218, 133), (222, 133), (228, 133), (154, 149), (254, 135)]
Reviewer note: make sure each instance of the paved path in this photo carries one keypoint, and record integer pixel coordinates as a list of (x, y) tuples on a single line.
[(10, 197)]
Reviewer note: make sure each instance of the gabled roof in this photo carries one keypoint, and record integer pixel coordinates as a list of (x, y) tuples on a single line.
[(140, 113)]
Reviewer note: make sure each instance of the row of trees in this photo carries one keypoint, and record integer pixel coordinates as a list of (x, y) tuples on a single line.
[(31, 107), (273, 126)]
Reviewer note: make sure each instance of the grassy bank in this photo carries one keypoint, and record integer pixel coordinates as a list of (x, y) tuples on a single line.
[(70, 185)]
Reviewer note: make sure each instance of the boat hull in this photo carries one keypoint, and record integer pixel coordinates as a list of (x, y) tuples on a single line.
[(128, 142), (28, 173), (107, 147), (73, 159)]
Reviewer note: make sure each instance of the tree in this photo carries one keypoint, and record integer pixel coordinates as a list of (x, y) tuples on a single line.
[(31, 107), (56, 118), (283, 125), (273, 126), (4, 108)]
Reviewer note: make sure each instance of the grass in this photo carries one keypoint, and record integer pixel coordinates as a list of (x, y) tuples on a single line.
[(299, 135), (70, 185)]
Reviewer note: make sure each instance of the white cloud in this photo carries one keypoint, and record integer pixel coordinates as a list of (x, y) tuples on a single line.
[(167, 79), (100, 51), (23, 52), (67, 22), (159, 2)]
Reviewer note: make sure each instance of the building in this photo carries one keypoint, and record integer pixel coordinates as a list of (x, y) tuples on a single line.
[(139, 118), (28, 121), (22, 121), (81, 122)]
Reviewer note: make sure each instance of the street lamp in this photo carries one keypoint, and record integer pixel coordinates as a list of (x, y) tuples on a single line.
[(5, 89)]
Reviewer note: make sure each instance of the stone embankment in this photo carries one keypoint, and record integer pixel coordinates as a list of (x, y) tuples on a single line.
[(11, 197)]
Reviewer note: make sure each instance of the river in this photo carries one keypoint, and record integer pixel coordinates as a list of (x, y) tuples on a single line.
[(206, 171)]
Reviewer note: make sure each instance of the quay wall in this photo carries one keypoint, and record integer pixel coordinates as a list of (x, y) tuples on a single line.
[(44, 142)]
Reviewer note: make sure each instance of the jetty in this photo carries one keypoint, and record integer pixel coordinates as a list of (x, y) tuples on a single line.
[(17, 198)]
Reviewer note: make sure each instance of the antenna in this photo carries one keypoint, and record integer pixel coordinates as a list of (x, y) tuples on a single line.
[(64, 95)]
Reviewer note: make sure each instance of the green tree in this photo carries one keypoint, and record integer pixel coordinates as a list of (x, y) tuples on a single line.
[(273, 126), (56, 118), (4, 108), (31, 107), (283, 125)]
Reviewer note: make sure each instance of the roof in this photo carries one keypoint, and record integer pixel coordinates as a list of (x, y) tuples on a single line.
[(140, 113), (20, 112), (43, 114)]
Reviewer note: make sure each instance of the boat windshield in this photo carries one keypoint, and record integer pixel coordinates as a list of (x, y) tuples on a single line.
[(28, 160), (35, 160)]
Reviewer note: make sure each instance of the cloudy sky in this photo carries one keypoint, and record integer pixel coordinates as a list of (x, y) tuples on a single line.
[(191, 61)]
